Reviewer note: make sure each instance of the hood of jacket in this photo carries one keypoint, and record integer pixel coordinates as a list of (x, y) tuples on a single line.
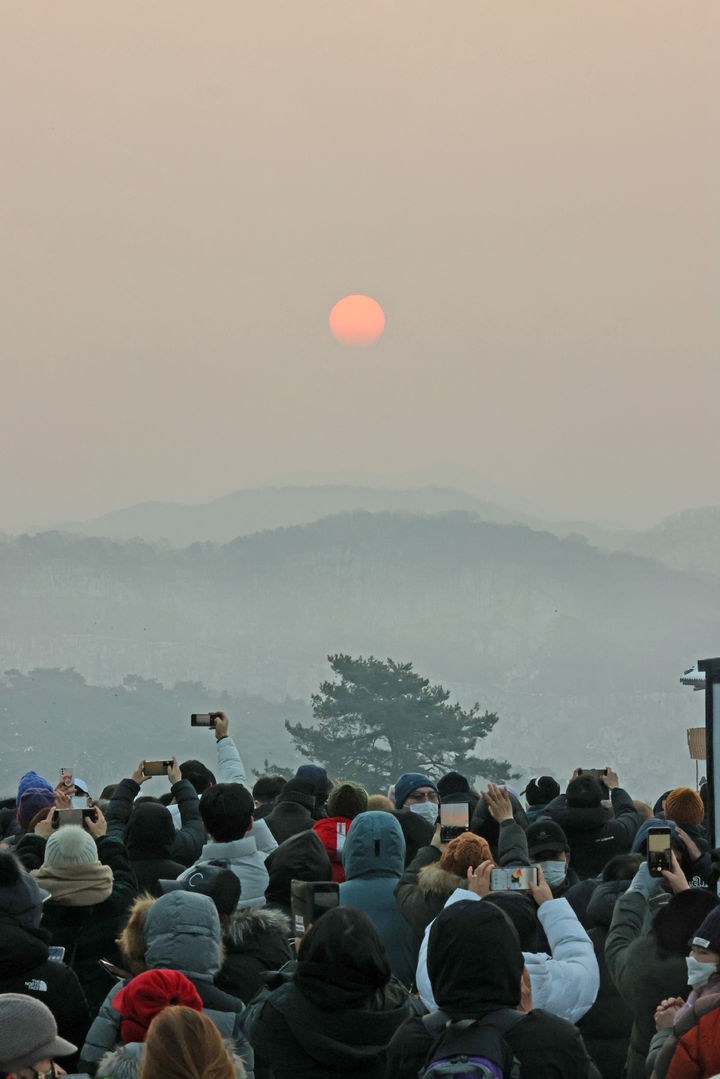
[(333, 832), (602, 903), (639, 843), (247, 924), (150, 832), (125, 1062), (375, 846), (182, 932), (433, 878), (301, 857)]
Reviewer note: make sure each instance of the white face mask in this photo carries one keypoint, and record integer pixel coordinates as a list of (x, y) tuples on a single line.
[(554, 872), (699, 974), (427, 810)]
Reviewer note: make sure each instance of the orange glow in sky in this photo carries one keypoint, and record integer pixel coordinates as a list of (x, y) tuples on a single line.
[(357, 320)]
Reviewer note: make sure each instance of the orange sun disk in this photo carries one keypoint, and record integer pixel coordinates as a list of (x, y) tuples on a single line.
[(357, 320)]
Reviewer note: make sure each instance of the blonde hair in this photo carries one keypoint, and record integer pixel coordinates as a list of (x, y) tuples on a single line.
[(184, 1044), (379, 802)]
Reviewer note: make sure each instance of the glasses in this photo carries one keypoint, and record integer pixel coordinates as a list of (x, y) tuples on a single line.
[(422, 796)]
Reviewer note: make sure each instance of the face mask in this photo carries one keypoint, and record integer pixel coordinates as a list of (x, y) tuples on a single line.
[(427, 810), (554, 872), (699, 974)]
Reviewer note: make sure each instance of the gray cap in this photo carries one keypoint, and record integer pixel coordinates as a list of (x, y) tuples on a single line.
[(28, 1033)]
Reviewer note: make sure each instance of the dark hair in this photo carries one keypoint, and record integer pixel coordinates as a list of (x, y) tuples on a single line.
[(622, 867), (675, 923), (344, 940), (197, 773), (226, 810), (584, 792), (267, 788)]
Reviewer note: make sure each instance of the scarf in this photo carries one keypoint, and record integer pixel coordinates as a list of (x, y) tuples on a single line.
[(76, 885)]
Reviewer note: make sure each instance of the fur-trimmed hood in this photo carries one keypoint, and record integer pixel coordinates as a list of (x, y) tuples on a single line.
[(250, 922), (433, 878)]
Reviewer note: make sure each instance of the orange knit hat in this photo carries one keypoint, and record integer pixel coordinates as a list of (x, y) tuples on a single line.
[(684, 806)]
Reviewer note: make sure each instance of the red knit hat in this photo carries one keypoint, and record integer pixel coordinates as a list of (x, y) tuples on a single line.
[(146, 995), (463, 852), (684, 806)]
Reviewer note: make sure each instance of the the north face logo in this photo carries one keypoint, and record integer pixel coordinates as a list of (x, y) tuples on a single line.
[(36, 985)]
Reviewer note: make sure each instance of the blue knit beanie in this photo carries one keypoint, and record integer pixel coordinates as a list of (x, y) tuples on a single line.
[(408, 783), (31, 779)]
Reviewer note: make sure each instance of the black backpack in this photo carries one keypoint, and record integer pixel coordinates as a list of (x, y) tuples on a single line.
[(471, 1048)]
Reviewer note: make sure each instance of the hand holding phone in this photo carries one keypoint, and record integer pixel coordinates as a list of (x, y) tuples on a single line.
[(156, 768), (202, 719), (454, 820), (658, 851), (516, 878)]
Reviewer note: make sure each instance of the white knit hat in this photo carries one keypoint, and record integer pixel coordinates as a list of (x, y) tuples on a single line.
[(70, 845)]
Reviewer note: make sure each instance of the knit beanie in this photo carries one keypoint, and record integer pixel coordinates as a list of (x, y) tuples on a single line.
[(70, 845), (32, 779), (32, 800), (147, 995), (408, 783), (20, 896), (301, 791), (463, 852), (452, 783), (684, 806), (28, 1033), (708, 933), (541, 790), (347, 800), (316, 775)]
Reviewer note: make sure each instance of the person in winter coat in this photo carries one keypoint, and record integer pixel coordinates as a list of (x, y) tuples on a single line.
[(476, 967), (138, 1003), (337, 1013), (226, 810), (454, 787), (178, 931), (265, 791), (148, 840), (91, 886), (595, 835), (417, 832), (345, 802), (254, 939), (301, 857), (486, 823), (607, 1026), (648, 967), (293, 810), (683, 1044), (686, 809), (25, 966), (374, 857), (696, 864), (566, 982), (434, 875)]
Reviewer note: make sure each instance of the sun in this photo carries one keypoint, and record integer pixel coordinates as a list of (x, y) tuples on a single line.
[(357, 320)]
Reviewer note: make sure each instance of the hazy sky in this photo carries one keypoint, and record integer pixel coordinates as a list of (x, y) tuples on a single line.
[(531, 191)]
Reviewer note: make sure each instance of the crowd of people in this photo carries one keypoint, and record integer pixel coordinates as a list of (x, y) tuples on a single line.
[(155, 937)]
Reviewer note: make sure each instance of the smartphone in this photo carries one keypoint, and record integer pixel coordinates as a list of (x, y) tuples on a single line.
[(61, 817), (309, 900), (658, 851), (156, 768), (202, 719), (79, 801), (596, 773), (67, 777), (117, 973), (515, 878), (56, 953), (454, 820)]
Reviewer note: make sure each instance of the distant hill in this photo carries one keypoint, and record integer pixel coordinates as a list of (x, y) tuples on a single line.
[(578, 650), (255, 510), (689, 541)]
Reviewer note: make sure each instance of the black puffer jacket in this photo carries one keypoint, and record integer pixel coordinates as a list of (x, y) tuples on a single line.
[(593, 834), (301, 857), (187, 842), (606, 1027), (25, 968)]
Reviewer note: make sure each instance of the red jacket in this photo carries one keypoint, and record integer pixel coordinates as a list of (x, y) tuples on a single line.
[(332, 831), (696, 1043)]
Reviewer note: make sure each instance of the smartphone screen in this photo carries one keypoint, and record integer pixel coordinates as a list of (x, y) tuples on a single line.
[(517, 878), (156, 768), (56, 953), (454, 820), (658, 851), (78, 801), (202, 719)]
